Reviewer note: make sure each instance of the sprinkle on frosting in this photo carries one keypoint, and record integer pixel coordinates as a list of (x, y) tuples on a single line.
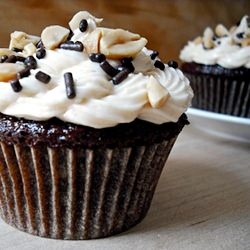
[(127, 63), (23, 73), (154, 55), (20, 58), (118, 78), (30, 62), (97, 57), (40, 44), (16, 86), (77, 46), (173, 64), (42, 77), (83, 25), (108, 68), (69, 85), (160, 65), (11, 59), (115, 80), (41, 53), (229, 48), (4, 58)]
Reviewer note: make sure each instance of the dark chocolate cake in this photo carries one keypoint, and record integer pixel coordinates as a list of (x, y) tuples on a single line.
[(56, 133)]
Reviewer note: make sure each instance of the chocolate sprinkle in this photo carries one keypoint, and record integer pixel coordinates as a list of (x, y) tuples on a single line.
[(41, 53), (120, 76), (11, 59), (70, 45), (16, 50), (3, 58), (120, 68), (71, 33), (42, 77), (240, 35), (160, 65), (69, 84), (16, 86), (108, 68), (24, 73), (20, 58), (127, 63), (97, 57), (154, 55), (30, 62), (83, 25), (40, 44), (173, 64)]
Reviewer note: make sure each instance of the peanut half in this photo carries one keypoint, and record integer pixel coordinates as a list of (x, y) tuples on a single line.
[(157, 94), (221, 30), (53, 35), (208, 38), (20, 39), (75, 21), (118, 43), (8, 71)]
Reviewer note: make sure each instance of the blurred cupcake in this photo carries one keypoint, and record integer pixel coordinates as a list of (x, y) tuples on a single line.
[(88, 118), (218, 67)]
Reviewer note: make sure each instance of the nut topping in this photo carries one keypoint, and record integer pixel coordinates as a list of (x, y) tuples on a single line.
[(8, 71), (221, 30), (208, 38), (157, 94), (29, 49), (78, 17), (20, 39), (118, 43), (53, 35)]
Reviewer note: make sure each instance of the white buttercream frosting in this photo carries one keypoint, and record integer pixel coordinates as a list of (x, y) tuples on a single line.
[(98, 102), (230, 48)]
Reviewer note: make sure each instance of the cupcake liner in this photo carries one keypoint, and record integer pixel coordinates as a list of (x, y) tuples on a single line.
[(226, 95), (78, 193)]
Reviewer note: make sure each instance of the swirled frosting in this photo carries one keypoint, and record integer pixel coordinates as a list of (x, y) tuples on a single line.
[(227, 48), (98, 102)]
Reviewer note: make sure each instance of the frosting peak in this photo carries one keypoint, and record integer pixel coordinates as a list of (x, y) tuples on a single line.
[(109, 71), (229, 48)]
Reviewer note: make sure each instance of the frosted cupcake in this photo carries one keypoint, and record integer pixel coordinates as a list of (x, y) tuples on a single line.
[(88, 118), (218, 66)]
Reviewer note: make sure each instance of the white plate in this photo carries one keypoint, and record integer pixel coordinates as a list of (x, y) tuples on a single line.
[(220, 125)]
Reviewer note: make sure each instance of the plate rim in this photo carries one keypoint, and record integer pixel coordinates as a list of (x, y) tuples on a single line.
[(218, 116)]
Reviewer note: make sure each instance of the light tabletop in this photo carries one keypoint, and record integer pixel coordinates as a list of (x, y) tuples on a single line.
[(202, 201)]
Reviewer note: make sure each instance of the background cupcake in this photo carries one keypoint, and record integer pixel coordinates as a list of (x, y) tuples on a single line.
[(88, 118), (218, 66)]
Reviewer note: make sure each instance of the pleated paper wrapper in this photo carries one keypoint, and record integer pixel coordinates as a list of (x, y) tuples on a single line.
[(218, 94), (78, 193)]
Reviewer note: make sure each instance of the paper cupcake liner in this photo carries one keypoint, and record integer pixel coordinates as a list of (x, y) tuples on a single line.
[(224, 95), (78, 193)]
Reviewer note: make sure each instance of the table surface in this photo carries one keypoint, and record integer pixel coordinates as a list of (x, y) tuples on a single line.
[(202, 201)]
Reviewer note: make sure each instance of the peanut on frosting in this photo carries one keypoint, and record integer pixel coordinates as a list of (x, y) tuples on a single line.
[(75, 21), (53, 35), (157, 94), (8, 71), (20, 39), (118, 43), (212, 38)]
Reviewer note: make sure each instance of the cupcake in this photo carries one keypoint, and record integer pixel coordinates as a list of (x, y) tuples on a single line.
[(88, 116), (218, 67)]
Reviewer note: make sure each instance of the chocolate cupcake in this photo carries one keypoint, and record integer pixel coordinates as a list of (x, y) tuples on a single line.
[(88, 116), (218, 66)]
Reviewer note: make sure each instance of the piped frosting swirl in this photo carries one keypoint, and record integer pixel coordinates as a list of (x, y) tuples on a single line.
[(227, 48), (146, 92)]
